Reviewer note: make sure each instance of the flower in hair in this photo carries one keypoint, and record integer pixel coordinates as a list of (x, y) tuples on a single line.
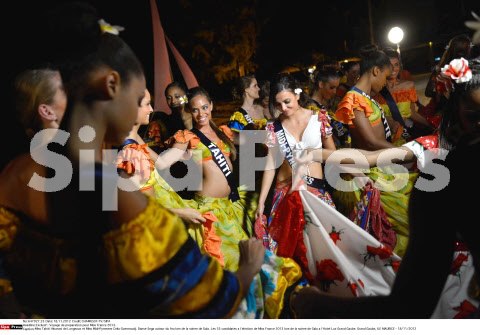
[(475, 25), (183, 100), (458, 70), (297, 90), (108, 28)]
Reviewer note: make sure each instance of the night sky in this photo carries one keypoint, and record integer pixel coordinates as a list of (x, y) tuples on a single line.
[(287, 33)]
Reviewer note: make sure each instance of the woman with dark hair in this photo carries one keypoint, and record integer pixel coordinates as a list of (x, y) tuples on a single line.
[(365, 118), (408, 299), (324, 95), (378, 209), (399, 100), (178, 118), (95, 250), (437, 88), (351, 71), (458, 46), (214, 150), (303, 222)]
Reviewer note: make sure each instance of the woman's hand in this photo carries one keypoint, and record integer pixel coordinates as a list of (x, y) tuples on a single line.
[(252, 254), (260, 209), (187, 155), (303, 303), (189, 215), (304, 157)]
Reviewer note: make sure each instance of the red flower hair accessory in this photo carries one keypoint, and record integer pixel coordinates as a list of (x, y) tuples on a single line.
[(458, 70)]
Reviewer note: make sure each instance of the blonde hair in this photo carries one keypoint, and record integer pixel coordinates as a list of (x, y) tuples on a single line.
[(33, 88)]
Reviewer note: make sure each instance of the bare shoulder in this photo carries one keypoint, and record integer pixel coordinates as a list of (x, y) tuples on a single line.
[(130, 205), (18, 172), (15, 191)]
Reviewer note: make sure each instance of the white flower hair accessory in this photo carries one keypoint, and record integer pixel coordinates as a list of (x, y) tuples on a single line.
[(458, 71), (297, 90), (475, 25), (108, 28), (183, 100)]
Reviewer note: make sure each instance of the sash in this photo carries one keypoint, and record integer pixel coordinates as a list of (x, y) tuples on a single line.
[(288, 154), (395, 112), (221, 162), (388, 132), (247, 117)]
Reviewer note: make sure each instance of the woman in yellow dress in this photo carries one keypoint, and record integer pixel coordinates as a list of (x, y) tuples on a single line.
[(402, 95), (89, 248), (214, 151), (249, 115)]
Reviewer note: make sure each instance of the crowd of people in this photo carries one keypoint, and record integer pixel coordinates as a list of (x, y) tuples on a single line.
[(358, 211)]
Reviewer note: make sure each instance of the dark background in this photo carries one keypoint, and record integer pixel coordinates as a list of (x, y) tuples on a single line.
[(285, 33), (266, 35)]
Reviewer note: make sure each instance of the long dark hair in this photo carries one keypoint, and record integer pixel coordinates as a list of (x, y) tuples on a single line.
[(458, 46), (450, 116), (193, 92), (285, 82)]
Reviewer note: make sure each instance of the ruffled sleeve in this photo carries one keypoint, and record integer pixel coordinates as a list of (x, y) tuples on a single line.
[(135, 157), (8, 231), (8, 228), (154, 253), (227, 131), (404, 95), (184, 137), (237, 122), (352, 102)]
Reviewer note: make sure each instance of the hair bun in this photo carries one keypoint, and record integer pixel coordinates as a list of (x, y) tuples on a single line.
[(367, 50), (75, 27)]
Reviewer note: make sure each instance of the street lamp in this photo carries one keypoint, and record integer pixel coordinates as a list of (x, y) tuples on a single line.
[(395, 35)]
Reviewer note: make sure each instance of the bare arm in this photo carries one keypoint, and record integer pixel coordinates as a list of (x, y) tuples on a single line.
[(365, 135), (189, 215), (351, 156), (267, 180), (418, 118), (176, 153), (328, 143)]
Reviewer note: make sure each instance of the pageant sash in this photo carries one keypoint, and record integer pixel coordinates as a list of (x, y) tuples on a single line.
[(221, 162), (395, 112), (388, 132), (288, 154), (247, 117)]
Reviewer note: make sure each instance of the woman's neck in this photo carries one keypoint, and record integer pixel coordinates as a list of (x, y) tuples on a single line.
[(298, 116), (248, 103), (133, 134), (318, 98), (205, 128), (391, 83), (83, 116), (365, 84)]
